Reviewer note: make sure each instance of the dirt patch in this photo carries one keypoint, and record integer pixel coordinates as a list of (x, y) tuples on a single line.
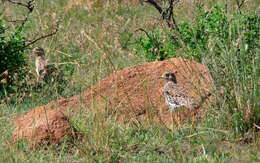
[(41, 125), (131, 95)]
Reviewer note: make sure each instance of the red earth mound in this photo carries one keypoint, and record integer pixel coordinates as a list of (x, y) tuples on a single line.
[(41, 125), (133, 94)]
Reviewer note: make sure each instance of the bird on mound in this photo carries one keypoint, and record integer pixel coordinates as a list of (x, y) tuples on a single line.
[(175, 95)]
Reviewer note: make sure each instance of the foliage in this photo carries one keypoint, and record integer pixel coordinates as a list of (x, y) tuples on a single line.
[(194, 39), (155, 47), (17, 78), (233, 60), (12, 58)]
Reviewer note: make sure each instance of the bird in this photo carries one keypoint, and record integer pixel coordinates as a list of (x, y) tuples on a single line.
[(40, 62), (175, 95), (44, 70)]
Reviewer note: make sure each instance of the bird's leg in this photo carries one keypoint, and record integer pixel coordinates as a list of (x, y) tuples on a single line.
[(189, 114), (172, 119), (178, 119), (193, 119)]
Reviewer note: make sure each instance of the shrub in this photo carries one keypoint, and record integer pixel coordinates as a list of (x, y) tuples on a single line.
[(155, 47), (194, 39), (12, 58)]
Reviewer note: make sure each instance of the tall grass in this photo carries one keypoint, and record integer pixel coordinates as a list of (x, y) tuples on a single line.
[(93, 43)]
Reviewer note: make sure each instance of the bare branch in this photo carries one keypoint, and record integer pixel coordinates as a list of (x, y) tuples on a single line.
[(56, 29), (142, 30), (29, 5), (240, 5), (153, 3), (15, 21), (166, 14)]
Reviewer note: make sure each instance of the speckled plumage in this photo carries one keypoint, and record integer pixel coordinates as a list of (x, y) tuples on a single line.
[(175, 95)]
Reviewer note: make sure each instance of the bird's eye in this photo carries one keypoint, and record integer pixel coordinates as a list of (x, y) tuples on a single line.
[(167, 75)]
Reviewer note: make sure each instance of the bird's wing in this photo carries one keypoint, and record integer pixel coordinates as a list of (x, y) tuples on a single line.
[(179, 93), (175, 90)]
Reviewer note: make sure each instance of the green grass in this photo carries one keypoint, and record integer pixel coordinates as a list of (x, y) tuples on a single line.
[(92, 44), (107, 140)]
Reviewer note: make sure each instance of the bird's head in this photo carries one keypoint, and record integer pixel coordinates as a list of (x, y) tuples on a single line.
[(38, 51), (169, 76)]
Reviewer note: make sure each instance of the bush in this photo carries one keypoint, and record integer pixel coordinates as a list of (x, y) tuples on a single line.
[(194, 39), (155, 47), (12, 58)]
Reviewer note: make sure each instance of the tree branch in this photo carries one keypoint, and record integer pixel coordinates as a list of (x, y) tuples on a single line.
[(29, 5), (142, 30), (153, 3), (43, 36), (240, 5), (166, 14)]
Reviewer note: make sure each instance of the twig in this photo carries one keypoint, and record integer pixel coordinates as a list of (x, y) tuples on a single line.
[(29, 5), (44, 36), (16, 21), (167, 14), (153, 3), (156, 43), (142, 30), (240, 4)]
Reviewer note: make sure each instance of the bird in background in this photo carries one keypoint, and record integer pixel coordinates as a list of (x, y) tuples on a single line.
[(40, 61), (43, 68)]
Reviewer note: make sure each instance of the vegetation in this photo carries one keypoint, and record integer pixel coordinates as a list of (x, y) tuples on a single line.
[(109, 37), (12, 59)]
